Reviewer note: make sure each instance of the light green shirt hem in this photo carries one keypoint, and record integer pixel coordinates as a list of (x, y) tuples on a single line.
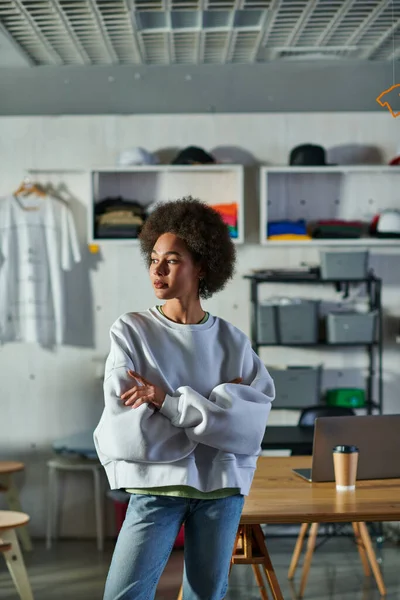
[(185, 491)]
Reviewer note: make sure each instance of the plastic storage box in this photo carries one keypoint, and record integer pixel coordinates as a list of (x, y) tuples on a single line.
[(296, 387), (344, 265), (351, 327), (267, 323), (298, 322)]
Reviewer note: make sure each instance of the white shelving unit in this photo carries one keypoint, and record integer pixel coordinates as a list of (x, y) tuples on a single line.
[(214, 184), (332, 192)]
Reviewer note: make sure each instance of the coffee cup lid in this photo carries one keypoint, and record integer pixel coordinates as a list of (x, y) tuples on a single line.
[(345, 449)]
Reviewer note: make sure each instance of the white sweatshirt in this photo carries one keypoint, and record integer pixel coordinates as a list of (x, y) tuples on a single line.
[(208, 433)]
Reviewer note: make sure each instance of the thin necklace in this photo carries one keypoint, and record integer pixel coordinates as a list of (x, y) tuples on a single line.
[(163, 313)]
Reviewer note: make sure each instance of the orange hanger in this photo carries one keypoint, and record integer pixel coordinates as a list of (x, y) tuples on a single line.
[(29, 187)]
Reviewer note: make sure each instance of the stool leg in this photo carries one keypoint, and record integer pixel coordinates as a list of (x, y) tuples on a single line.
[(297, 550), (51, 492), (58, 497), (16, 566), (14, 503), (180, 594), (372, 557), (98, 509), (312, 538)]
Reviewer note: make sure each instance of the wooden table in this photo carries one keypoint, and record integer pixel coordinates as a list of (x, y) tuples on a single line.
[(280, 496)]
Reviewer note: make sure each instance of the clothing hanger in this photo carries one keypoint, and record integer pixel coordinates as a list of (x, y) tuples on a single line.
[(28, 187)]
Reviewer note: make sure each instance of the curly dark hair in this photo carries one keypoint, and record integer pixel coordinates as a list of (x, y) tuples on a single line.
[(205, 234)]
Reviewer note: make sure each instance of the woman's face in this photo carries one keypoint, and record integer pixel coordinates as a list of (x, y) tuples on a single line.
[(173, 271)]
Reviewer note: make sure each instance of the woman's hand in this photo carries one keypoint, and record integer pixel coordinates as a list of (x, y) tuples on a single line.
[(146, 393)]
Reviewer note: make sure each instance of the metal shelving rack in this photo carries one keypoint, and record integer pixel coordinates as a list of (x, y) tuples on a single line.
[(374, 350)]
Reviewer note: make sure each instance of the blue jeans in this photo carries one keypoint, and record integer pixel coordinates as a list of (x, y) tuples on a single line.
[(148, 535)]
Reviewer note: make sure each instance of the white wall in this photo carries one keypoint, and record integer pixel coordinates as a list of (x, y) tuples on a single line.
[(46, 395)]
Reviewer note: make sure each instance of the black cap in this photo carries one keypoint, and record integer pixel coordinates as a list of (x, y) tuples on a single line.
[(192, 155), (345, 449), (307, 155)]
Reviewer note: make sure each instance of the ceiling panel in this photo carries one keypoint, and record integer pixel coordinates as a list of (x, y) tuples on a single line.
[(161, 32)]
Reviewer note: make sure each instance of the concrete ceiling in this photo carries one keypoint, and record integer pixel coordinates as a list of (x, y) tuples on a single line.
[(165, 32)]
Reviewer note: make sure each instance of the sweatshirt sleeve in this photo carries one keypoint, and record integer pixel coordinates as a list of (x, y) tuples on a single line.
[(234, 417), (142, 434)]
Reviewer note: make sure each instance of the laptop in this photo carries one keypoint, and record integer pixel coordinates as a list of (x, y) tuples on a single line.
[(376, 436)]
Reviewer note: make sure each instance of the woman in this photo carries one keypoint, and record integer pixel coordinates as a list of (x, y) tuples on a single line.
[(186, 405)]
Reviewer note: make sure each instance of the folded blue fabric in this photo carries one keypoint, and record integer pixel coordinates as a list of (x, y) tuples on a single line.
[(281, 227)]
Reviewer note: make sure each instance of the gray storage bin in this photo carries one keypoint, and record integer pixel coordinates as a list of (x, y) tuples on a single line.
[(344, 265), (296, 387), (351, 327), (267, 329), (298, 322)]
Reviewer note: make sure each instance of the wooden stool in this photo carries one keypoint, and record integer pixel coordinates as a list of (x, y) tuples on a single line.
[(7, 469), (9, 547), (364, 546), (58, 465), (250, 549)]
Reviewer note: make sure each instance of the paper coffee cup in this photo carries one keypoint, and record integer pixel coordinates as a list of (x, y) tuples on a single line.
[(345, 462)]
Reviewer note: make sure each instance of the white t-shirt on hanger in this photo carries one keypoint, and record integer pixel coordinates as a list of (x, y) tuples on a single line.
[(38, 242)]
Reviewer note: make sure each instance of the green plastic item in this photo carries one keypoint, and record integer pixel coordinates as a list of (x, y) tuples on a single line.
[(346, 397)]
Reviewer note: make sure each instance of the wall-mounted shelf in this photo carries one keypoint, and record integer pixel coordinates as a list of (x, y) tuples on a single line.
[(359, 243), (336, 192), (214, 184)]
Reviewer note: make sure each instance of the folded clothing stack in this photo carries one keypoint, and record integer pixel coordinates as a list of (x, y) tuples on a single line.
[(287, 230), (337, 229), (117, 218), (229, 214)]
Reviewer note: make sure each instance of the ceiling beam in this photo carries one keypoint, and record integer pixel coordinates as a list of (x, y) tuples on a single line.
[(334, 23), (301, 23), (112, 55), (135, 38), (170, 37), (79, 49), (260, 36), (391, 32), (273, 12), (139, 38), (231, 37), (53, 55), (361, 29)]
